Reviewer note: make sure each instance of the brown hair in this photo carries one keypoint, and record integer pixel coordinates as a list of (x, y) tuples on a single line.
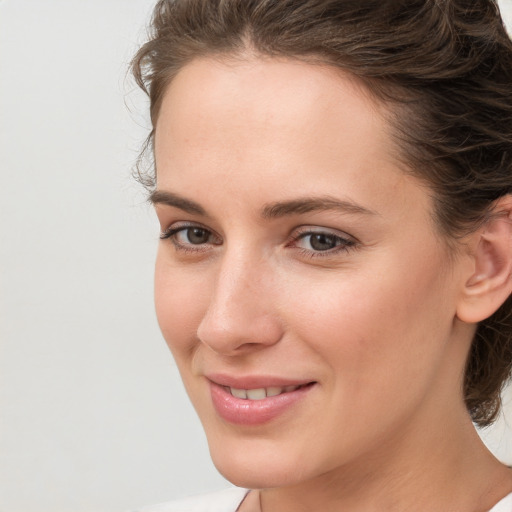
[(445, 66)]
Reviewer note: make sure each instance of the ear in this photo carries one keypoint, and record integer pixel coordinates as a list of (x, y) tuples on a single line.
[(490, 282)]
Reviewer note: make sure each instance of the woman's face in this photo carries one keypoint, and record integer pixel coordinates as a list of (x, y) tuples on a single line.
[(301, 283)]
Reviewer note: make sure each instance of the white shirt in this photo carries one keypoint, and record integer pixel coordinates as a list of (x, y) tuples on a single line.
[(229, 500), (505, 505)]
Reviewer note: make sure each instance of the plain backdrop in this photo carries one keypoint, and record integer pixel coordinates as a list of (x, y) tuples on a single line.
[(92, 413)]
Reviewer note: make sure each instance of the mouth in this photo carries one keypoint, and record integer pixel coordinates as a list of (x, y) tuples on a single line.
[(262, 393), (256, 403)]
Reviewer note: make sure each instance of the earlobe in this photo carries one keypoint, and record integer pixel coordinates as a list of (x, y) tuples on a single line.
[(490, 282)]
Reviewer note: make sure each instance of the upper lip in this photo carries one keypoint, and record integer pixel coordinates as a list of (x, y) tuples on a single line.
[(254, 381)]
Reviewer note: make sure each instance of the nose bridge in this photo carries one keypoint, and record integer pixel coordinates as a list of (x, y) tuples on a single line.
[(240, 311)]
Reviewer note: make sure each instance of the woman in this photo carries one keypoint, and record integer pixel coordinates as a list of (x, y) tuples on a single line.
[(332, 180)]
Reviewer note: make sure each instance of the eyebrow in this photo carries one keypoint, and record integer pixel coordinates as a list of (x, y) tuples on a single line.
[(313, 204), (270, 211), (171, 199)]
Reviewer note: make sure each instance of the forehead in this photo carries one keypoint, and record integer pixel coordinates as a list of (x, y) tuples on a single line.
[(254, 95), (268, 123)]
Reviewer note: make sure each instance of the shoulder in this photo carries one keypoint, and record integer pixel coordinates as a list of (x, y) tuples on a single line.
[(227, 500), (505, 505)]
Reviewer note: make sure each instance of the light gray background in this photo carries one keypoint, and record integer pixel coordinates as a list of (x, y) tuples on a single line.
[(92, 413)]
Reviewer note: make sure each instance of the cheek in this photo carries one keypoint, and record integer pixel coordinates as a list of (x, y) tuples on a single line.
[(179, 298), (375, 325)]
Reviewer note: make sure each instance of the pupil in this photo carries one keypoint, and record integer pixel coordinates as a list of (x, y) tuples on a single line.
[(197, 235), (322, 242)]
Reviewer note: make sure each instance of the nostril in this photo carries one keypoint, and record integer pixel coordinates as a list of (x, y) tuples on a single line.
[(242, 329)]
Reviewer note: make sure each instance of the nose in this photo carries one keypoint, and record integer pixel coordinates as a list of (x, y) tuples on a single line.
[(240, 316)]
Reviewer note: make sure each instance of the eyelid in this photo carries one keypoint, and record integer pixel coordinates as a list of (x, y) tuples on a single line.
[(345, 241), (182, 225), (348, 242), (177, 227), (312, 230)]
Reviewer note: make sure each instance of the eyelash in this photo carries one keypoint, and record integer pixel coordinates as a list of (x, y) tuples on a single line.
[(170, 234), (342, 244)]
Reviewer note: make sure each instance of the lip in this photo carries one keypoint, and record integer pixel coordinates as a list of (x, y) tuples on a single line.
[(239, 411), (254, 381)]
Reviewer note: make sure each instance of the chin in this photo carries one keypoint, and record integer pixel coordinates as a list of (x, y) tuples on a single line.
[(256, 464), (250, 475)]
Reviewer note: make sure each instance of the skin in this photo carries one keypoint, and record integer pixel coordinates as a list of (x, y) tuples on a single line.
[(373, 321)]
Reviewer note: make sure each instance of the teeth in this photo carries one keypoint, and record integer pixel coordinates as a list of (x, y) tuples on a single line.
[(274, 391), (256, 394), (261, 393), (238, 393)]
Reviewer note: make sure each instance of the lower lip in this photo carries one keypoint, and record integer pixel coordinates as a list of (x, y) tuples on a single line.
[(241, 411)]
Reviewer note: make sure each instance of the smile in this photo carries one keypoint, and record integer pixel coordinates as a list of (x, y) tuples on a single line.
[(253, 406), (260, 393)]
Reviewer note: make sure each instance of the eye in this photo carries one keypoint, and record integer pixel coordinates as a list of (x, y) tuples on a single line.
[(315, 242), (190, 237), (322, 241), (194, 236)]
